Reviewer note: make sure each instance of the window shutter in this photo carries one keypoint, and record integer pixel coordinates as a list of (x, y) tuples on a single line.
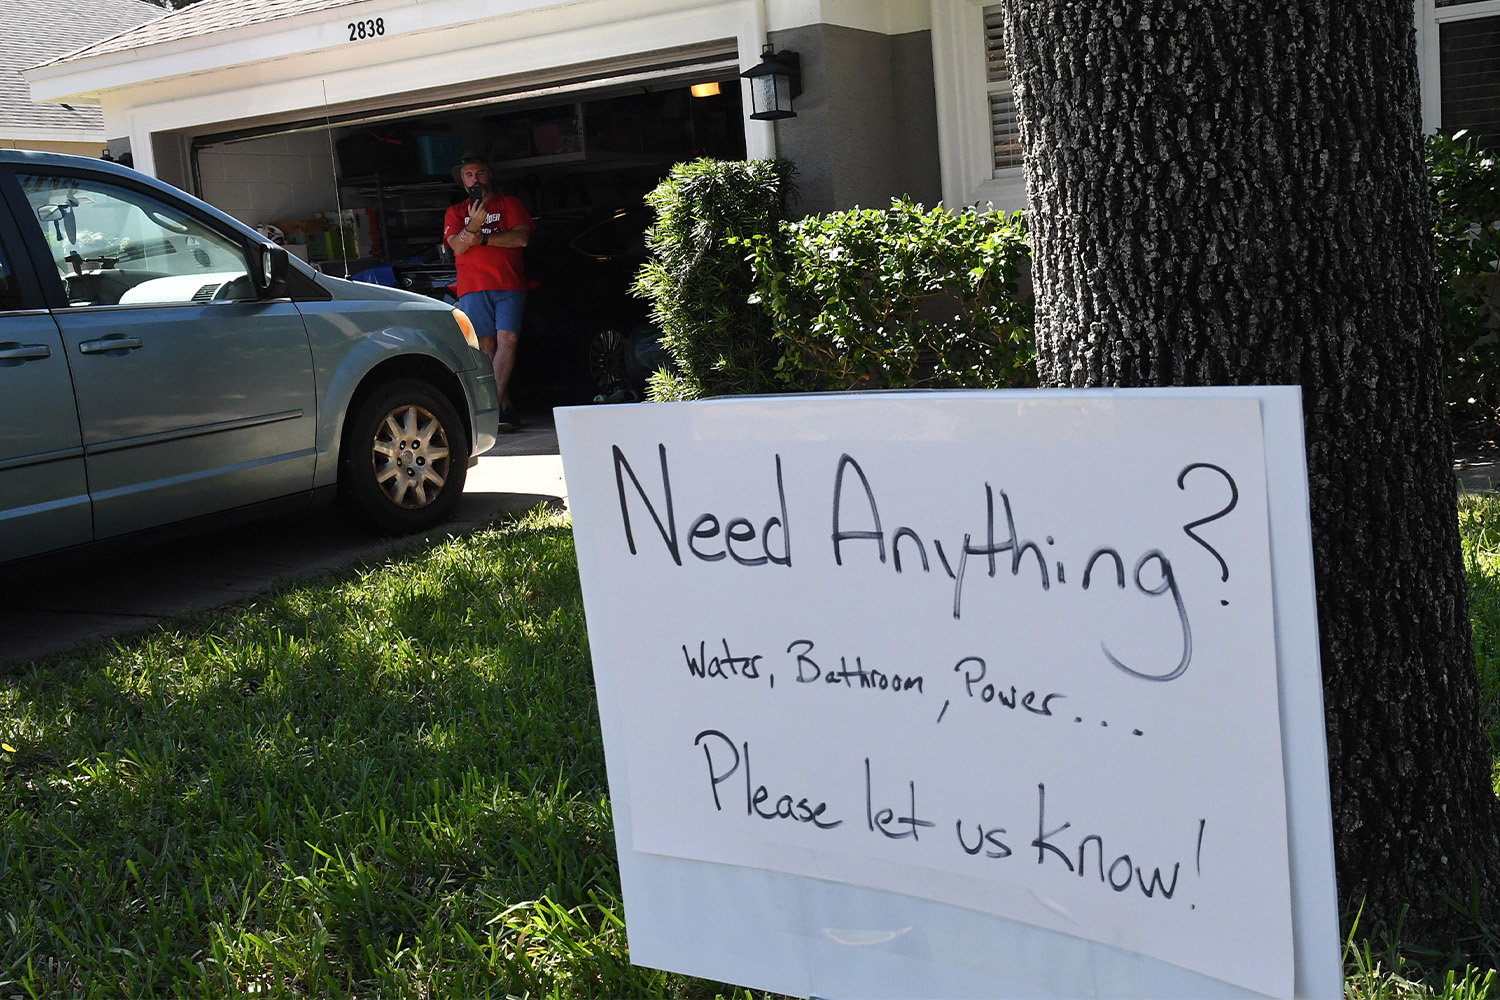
[(1004, 130), (1470, 57)]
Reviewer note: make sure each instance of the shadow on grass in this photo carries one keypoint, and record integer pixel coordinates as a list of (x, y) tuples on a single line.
[(332, 788)]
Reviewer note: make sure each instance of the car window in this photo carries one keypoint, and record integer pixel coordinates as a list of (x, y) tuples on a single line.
[(116, 246), (622, 235)]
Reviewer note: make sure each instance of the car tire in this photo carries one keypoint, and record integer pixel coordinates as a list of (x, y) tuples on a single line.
[(404, 459)]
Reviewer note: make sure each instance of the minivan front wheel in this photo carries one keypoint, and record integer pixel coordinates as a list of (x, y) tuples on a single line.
[(404, 458)]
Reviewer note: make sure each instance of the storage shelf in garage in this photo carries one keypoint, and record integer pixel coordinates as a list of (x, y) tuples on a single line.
[(541, 160), (409, 210), (377, 184)]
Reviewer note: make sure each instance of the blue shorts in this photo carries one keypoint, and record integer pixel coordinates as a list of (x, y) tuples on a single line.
[(493, 310)]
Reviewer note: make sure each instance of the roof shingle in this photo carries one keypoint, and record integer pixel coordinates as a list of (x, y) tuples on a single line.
[(35, 32), (199, 19)]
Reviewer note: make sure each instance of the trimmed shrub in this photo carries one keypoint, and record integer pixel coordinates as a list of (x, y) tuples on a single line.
[(1465, 186), (903, 297), (699, 282), (900, 297)]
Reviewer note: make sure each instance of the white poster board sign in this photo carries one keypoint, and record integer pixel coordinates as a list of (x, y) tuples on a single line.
[(946, 693)]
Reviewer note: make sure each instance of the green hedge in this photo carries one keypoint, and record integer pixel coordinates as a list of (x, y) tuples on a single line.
[(1465, 186), (698, 279), (905, 297), (897, 298)]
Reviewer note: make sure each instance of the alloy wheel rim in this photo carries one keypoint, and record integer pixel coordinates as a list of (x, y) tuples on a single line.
[(607, 359), (410, 456)]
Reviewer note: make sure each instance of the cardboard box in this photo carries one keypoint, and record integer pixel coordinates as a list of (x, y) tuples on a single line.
[(350, 235), (313, 238), (292, 230), (316, 246)]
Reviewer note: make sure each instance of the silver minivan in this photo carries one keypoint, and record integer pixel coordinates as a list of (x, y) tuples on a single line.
[(161, 363)]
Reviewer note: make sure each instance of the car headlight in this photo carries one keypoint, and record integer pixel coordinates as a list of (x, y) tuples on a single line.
[(467, 327)]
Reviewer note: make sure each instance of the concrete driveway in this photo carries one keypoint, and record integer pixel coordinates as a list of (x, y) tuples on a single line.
[(46, 612), (1478, 469)]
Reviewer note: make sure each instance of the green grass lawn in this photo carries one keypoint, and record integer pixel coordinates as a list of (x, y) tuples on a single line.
[(387, 783), (1479, 522)]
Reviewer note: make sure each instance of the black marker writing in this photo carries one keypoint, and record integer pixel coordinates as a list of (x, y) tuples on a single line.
[(729, 760), (1168, 584), (1122, 871), (809, 671), (885, 820), (1234, 498), (983, 837), (839, 534), (974, 670), (708, 539), (725, 666)]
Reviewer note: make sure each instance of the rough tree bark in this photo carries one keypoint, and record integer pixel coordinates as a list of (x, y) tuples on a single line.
[(1234, 193)]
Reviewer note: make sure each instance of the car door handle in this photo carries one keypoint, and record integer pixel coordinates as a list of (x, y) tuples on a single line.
[(107, 345), (24, 352)]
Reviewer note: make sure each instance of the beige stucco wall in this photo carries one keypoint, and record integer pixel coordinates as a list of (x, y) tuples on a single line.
[(41, 145)]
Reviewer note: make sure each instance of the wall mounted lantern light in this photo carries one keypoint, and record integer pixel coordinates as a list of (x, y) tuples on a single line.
[(773, 84)]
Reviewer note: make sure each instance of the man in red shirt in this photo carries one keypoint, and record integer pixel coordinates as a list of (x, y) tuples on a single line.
[(487, 233)]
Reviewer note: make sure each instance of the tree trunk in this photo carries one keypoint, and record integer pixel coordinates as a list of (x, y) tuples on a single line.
[(1234, 194)]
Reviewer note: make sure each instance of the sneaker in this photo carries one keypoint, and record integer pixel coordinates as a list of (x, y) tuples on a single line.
[(509, 422)]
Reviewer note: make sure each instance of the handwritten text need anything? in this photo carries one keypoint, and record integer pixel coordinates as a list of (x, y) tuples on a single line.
[(736, 538)]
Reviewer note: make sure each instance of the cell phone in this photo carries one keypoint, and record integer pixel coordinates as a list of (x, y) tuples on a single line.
[(475, 193)]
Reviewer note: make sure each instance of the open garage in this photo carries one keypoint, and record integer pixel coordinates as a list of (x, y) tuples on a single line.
[(365, 198)]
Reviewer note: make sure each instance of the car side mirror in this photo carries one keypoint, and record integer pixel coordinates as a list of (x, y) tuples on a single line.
[(271, 267)]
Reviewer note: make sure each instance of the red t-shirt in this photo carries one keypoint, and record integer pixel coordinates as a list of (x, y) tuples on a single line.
[(490, 268)]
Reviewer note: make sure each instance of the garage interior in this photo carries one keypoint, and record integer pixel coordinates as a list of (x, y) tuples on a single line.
[(581, 158), (557, 153)]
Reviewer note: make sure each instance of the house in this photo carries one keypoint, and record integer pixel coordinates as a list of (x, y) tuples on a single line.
[(272, 109), (35, 32)]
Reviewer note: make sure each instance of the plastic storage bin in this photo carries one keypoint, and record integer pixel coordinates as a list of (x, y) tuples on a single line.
[(437, 153)]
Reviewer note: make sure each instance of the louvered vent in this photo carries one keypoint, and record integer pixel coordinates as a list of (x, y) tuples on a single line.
[(1470, 59), (206, 293), (1003, 127)]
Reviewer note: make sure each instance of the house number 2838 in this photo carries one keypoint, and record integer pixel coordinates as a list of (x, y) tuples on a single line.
[(366, 29)]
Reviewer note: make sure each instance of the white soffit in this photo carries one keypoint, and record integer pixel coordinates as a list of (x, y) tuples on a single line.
[(886, 17), (425, 41), (89, 134), (660, 68), (315, 102)]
